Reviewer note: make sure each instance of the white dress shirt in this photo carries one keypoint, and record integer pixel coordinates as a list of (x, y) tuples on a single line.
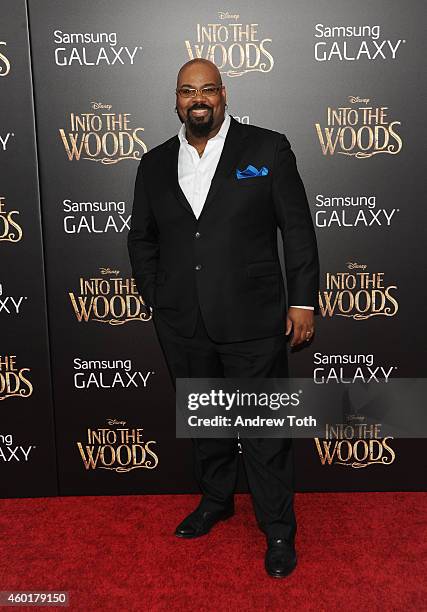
[(195, 173)]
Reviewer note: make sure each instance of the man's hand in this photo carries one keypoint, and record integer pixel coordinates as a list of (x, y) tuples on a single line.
[(302, 322)]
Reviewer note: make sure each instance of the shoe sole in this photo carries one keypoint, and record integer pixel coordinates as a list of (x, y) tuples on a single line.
[(282, 575), (192, 537)]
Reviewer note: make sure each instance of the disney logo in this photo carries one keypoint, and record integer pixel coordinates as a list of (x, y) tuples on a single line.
[(109, 271), (355, 99), (98, 105), (352, 265), (115, 422), (226, 15)]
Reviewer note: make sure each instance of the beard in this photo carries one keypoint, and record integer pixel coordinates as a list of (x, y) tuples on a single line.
[(200, 126)]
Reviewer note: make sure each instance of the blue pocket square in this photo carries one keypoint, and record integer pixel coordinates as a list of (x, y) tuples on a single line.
[(251, 171)]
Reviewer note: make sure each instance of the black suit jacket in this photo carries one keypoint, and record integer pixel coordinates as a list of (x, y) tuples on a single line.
[(227, 260)]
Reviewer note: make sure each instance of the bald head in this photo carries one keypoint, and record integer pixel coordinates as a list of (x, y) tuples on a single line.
[(197, 66)]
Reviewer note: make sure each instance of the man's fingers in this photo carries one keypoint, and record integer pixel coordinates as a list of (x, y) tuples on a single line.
[(297, 335), (302, 333), (301, 323)]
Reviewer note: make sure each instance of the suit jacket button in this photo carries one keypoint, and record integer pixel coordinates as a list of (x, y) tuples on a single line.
[(198, 267), (197, 234)]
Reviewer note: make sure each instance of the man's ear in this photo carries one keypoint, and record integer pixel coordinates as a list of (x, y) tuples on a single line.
[(224, 95)]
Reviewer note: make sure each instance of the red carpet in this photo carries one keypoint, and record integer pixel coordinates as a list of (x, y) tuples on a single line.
[(356, 551)]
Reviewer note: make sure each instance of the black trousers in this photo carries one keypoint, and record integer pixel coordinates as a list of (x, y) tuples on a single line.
[(268, 461)]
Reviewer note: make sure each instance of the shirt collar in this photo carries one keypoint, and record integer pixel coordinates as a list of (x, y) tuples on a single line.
[(221, 134)]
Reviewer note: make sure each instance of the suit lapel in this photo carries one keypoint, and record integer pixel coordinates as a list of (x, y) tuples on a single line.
[(231, 153), (173, 175)]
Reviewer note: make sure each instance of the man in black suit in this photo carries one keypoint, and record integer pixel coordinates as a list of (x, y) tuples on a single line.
[(204, 254)]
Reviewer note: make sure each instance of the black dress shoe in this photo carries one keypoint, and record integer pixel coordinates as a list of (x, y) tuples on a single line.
[(280, 558), (200, 522)]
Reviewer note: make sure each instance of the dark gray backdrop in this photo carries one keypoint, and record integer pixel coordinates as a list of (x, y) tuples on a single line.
[(290, 96)]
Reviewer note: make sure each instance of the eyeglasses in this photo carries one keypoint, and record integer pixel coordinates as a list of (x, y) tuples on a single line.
[(207, 92)]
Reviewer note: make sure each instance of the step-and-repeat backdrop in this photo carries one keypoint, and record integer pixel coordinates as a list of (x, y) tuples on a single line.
[(86, 404)]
